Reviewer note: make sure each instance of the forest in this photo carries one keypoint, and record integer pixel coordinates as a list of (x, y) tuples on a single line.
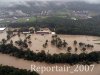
[(64, 25), (6, 70)]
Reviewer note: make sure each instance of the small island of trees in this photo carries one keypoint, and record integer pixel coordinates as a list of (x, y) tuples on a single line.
[(68, 57)]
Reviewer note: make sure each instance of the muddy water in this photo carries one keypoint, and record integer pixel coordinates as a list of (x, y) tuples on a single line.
[(39, 40), (24, 64)]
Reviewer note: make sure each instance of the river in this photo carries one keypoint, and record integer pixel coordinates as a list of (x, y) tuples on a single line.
[(37, 42), (24, 64)]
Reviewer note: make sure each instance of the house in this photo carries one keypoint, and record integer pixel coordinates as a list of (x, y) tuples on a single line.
[(2, 29)]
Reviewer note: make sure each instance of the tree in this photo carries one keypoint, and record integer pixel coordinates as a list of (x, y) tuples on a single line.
[(8, 37), (64, 43), (11, 42), (68, 58), (58, 45), (25, 45), (53, 42), (18, 34), (3, 41), (65, 25), (44, 46), (30, 42), (76, 49), (28, 37), (7, 70), (46, 40), (75, 42), (81, 44), (25, 41), (83, 49), (69, 49)]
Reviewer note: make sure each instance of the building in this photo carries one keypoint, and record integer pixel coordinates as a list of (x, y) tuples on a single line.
[(43, 32), (2, 29), (53, 33), (27, 32)]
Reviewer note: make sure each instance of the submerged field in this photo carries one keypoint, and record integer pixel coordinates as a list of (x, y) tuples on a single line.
[(37, 46), (38, 41)]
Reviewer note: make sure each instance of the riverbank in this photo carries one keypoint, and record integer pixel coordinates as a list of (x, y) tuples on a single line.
[(24, 64)]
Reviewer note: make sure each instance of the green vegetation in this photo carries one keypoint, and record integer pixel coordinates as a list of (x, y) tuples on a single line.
[(59, 43), (83, 58), (46, 44), (69, 58), (24, 43), (6, 70), (56, 41), (63, 25), (3, 23), (31, 19)]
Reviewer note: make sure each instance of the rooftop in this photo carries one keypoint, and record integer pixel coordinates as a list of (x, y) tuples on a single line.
[(43, 31), (3, 28)]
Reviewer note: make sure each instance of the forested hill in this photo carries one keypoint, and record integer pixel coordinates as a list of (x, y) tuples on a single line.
[(66, 26)]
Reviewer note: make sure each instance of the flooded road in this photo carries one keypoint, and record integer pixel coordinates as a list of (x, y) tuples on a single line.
[(24, 64)]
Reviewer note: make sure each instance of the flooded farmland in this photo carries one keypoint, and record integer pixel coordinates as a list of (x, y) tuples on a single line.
[(37, 46), (39, 40)]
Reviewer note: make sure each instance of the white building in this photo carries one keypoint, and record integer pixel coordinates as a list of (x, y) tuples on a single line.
[(2, 29), (53, 33), (28, 32)]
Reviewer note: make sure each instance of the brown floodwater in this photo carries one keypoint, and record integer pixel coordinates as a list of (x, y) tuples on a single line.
[(38, 41), (24, 64)]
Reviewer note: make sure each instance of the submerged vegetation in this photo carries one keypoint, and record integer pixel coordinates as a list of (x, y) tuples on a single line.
[(24, 52), (56, 41), (59, 43), (83, 58), (6, 70)]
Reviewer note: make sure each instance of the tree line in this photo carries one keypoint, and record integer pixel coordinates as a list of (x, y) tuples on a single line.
[(83, 58), (6, 70), (63, 25)]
